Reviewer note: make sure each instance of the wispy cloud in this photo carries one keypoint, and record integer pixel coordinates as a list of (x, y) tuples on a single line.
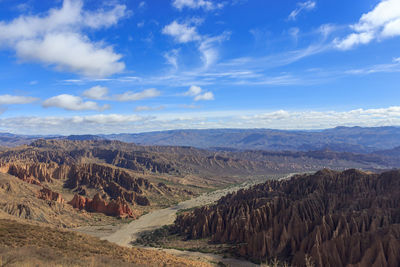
[(101, 93), (132, 96), (302, 6), (13, 99), (172, 57), (379, 68), (148, 108), (186, 32)]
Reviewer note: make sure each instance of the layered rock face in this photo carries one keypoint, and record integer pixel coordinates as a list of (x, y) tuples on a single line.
[(330, 218), (116, 207)]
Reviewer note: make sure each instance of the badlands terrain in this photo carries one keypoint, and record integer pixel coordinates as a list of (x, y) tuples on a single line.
[(88, 201)]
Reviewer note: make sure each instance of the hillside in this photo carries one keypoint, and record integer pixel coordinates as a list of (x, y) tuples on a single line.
[(28, 245), (329, 218)]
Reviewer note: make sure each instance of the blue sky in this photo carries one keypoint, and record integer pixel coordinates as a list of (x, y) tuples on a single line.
[(74, 67)]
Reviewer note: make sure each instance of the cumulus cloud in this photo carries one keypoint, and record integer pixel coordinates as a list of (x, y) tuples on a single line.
[(131, 96), (194, 90), (96, 92), (199, 94), (13, 99), (302, 6), (196, 4), (382, 22), (71, 102), (205, 96), (57, 39), (182, 32)]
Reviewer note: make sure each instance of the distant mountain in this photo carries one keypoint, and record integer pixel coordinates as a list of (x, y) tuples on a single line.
[(341, 139), (83, 137), (11, 140)]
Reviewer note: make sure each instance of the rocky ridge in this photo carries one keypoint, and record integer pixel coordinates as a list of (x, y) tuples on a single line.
[(330, 218)]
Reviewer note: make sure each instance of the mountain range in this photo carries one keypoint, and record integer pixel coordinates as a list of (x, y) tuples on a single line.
[(342, 139)]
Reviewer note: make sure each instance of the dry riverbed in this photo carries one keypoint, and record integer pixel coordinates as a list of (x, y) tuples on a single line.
[(125, 234)]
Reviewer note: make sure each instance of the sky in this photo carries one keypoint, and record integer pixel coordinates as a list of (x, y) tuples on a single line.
[(126, 66)]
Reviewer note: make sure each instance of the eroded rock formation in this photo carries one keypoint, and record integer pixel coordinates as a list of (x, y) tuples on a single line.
[(114, 182), (116, 207), (331, 218), (47, 194)]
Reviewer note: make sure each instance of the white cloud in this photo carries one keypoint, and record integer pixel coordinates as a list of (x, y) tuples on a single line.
[(382, 22), (96, 92), (306, 6), (148, 108), (196, 4), (198, 93), (71, 52), (71, 102), (182, 32), (194, 90), (205, 96), (12, 99), (57, 39), (131, 96)]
